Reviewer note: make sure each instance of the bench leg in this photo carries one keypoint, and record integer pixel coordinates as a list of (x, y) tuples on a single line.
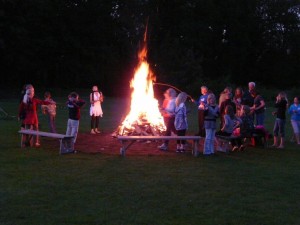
[(22, 141), (195, 150), (122, 151), (66, 145), (125, 147)]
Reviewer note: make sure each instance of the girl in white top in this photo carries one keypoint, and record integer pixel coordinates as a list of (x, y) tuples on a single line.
[(96, 98)]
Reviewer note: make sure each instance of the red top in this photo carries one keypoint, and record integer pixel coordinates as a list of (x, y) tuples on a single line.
[(30, 110)]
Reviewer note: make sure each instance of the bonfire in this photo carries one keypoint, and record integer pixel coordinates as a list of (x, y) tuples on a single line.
[(144, 117)]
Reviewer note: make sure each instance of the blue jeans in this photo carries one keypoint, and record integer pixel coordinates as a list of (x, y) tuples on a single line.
[(296, 126), (209, 141), (279, 127), (260, 118), (72, 128)]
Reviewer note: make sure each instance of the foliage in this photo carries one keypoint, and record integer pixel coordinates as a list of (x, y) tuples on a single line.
[(72, 43)]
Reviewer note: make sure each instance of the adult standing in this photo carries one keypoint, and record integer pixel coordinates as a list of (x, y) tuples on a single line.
[(258, 107), (211, 115), (294, 111), (96, 98), (281, 105), (168, 113), (202, 103), (247, 97)]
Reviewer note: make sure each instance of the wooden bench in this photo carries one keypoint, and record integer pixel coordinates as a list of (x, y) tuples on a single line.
[(133, 139), (257, 136), (66, 142)]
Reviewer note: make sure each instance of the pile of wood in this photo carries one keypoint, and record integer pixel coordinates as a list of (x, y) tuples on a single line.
[(143, 129)]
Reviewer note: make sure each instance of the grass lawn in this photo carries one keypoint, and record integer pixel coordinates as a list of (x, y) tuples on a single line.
[(257, 186)]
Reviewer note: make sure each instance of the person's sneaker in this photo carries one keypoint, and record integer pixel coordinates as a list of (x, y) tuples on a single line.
[(182, 151), (37, 144), (163, 147), (235, 148), (178, 150), (97, 131), (280, 146), (242, 147), (93, 131), (274, 146)]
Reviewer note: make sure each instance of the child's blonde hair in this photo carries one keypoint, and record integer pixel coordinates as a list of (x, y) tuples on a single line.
[(211, 97), (181, 98)]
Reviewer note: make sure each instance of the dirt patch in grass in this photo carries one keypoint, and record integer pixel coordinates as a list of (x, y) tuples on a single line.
[(106, 144)]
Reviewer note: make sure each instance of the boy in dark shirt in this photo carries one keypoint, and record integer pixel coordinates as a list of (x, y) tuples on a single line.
[(74, 105)]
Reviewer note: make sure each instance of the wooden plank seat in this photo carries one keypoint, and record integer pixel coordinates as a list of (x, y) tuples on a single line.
[(66, 142), (133, 139)]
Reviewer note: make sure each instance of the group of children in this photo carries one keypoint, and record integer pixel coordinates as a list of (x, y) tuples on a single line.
[(175, 117), (29, 105), (237, 116), (240, 116)]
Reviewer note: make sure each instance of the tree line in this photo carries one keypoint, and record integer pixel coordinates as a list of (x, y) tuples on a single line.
[(79, 43)]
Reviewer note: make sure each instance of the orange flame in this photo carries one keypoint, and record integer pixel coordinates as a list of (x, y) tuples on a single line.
[(144, 107)]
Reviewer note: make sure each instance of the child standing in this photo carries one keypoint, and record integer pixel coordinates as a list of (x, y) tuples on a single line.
[(50, 111), (74, 105), (294, 111), (180, 123), (168, 113), (96, 98), (211, 114), (28, 114), (281, 105)]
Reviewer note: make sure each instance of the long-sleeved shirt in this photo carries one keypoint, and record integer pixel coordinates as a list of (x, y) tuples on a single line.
[(180, 117), (230, 124), (74, 109), (211, 114), (294, 111), (30, 110), (169, 108)]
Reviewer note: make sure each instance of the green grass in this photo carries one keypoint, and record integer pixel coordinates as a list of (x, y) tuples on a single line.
[(256, 186)]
